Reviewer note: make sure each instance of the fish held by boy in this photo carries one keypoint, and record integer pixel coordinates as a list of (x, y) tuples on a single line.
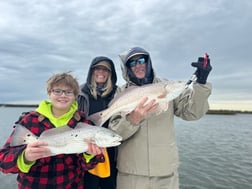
[(126, 101), (66, 140)]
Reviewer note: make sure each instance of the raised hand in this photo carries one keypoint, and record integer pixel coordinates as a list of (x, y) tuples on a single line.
[(203, 69)]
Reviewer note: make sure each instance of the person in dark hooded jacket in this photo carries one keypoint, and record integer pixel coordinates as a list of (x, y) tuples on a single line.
[(95, 96)]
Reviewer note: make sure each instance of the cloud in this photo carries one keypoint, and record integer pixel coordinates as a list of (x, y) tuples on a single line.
[(39, 38)]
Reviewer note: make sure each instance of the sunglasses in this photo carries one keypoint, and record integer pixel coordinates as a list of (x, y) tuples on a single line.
[(133, 63), (59, 92)]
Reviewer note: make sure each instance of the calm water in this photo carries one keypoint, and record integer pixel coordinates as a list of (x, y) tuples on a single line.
[(215, 151)]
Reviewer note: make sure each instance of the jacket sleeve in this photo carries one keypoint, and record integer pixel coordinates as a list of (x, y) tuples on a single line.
[(192, 104), (93, 161), (9, 156), (122, 126), (22, 165)]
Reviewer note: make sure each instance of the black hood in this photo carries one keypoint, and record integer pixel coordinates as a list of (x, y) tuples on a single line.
[(85, 87)]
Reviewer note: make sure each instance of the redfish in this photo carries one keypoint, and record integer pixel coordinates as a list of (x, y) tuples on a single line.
[(66, 140)]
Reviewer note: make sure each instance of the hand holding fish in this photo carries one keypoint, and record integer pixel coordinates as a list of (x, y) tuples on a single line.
[(142, 110), (36, 150), (94, 149)]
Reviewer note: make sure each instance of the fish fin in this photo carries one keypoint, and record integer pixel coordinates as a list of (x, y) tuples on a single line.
[(81, 125), (122, 94), (172, 96), (174, 89), (163, 95), (22, 136), (54, 132)]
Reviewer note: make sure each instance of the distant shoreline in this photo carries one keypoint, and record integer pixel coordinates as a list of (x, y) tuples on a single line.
[(228, 112), (19, 105), (211, 111)]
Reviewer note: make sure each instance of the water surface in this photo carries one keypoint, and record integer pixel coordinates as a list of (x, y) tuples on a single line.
[(215, 151)]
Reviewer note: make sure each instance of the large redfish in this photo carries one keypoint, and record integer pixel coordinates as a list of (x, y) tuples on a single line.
[(126, 101)]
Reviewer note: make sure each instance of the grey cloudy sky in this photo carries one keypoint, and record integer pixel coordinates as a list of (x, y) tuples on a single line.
[(40, 38)]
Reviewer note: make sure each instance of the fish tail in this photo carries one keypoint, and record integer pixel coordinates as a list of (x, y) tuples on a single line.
[(22, 135), (98, 118)]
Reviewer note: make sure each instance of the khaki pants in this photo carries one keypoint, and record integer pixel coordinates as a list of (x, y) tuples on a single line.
[(126, 181)]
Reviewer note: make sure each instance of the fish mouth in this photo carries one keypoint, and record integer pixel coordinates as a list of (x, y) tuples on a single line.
[(116, 143), (111, 144)]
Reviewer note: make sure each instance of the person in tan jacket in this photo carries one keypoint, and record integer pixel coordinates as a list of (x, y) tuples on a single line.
[(148, 156)]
